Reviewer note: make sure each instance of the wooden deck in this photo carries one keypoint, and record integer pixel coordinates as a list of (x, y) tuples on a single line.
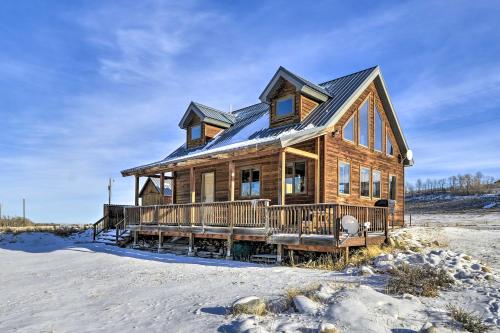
[(310, 227)]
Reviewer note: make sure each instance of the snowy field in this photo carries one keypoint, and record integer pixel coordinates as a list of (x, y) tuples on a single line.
[(54, 284)]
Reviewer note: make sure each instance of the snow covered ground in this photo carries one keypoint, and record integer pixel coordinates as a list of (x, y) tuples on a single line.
[(54, 284)]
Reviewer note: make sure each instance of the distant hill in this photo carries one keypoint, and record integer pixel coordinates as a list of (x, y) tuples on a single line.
[(449, 203)]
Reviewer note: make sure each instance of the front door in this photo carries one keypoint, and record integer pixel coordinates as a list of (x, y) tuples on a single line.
[(208, 187)]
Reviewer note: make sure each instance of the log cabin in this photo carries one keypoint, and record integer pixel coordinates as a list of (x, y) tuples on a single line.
[(151, 193), (286, 170)]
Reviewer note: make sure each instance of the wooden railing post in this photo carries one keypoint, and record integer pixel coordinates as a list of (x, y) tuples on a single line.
[(266, 216)]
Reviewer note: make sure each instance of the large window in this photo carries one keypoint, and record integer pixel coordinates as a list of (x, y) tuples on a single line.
[(378, 130), (376, 184), (348, 130), (195, 132), (284, 106), (295, 177), (344, 178), (363, 124), (392, 187), (250, 183), (365, 182), (388, 146)]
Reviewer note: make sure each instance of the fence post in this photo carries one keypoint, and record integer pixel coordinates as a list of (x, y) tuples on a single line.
[(386, 223)]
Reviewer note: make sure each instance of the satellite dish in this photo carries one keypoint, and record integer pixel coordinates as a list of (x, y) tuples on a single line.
[(350, 224), (409, 155)]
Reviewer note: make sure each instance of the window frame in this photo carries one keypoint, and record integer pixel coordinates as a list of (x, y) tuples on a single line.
[(293, 177), (380, 184), (288, 115), (338, 177), (352, 117), (191, 132), (366, 100), (251, 169), (395, 187), (361, 167), (376, 112)]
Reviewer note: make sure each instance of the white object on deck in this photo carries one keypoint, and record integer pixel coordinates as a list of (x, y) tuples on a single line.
[(350, 224)]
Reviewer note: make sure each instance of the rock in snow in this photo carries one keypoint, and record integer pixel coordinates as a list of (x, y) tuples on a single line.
[(249, 305), (365, 271), (305, 305), (327, 328)]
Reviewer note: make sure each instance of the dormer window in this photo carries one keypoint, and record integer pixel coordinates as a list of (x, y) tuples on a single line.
[(196, 132), (285, 106)]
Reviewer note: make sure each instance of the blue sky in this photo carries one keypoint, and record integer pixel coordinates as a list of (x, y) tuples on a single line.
[(88, 88)]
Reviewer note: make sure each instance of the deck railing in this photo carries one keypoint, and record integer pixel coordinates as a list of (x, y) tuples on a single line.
[(318, 219)]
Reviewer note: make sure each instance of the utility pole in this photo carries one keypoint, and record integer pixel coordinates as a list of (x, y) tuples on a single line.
[(110, 189), (24, 211)]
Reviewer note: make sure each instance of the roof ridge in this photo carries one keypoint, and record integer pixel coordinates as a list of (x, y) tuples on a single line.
[(344, 76)]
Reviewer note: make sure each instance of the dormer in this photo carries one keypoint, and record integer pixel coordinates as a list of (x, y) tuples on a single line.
[(203, 123), (291, 98)]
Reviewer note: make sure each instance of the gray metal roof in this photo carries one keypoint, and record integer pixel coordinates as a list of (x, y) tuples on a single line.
[(215, 114), (207, 114), (251, 124)]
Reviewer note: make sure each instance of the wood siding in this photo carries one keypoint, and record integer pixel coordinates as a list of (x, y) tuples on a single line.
[(306, 106)]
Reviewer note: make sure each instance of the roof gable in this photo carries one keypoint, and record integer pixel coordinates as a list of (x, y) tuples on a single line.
[(306, 87), (208, 115), (167, 191)]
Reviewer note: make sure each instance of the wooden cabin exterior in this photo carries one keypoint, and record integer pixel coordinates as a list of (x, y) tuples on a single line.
[(338, 143)]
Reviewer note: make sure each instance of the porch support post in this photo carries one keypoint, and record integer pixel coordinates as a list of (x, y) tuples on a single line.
[(136, 190), (162, 188), (282, 178), (192, 193), (191, 245), (346, 255), (229, 254), (160, 240), (279, 253), (317, 182), (174, 201), (231, 180)]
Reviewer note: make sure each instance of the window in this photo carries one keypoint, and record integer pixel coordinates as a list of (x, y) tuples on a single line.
[(195, 132), (348, 130), (365, 182), (378, 130), (376, 184), (363, 124), (392, 187), (295, 181), (284, 106), (388, 146), (250, 183), (208, 187), (344, 178)]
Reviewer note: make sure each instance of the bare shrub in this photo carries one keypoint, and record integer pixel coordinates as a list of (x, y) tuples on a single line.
[(418, 280), (470, 321)]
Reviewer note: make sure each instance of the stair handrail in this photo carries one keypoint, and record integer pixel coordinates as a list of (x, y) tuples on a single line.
[(94, 226), (118, 233)]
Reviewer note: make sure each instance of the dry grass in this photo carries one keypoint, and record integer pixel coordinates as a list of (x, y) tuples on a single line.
[(470, 321), (418, 280), (59, 230), (336, 262)]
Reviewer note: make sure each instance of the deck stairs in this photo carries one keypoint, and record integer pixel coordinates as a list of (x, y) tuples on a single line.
[(109, 237)]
